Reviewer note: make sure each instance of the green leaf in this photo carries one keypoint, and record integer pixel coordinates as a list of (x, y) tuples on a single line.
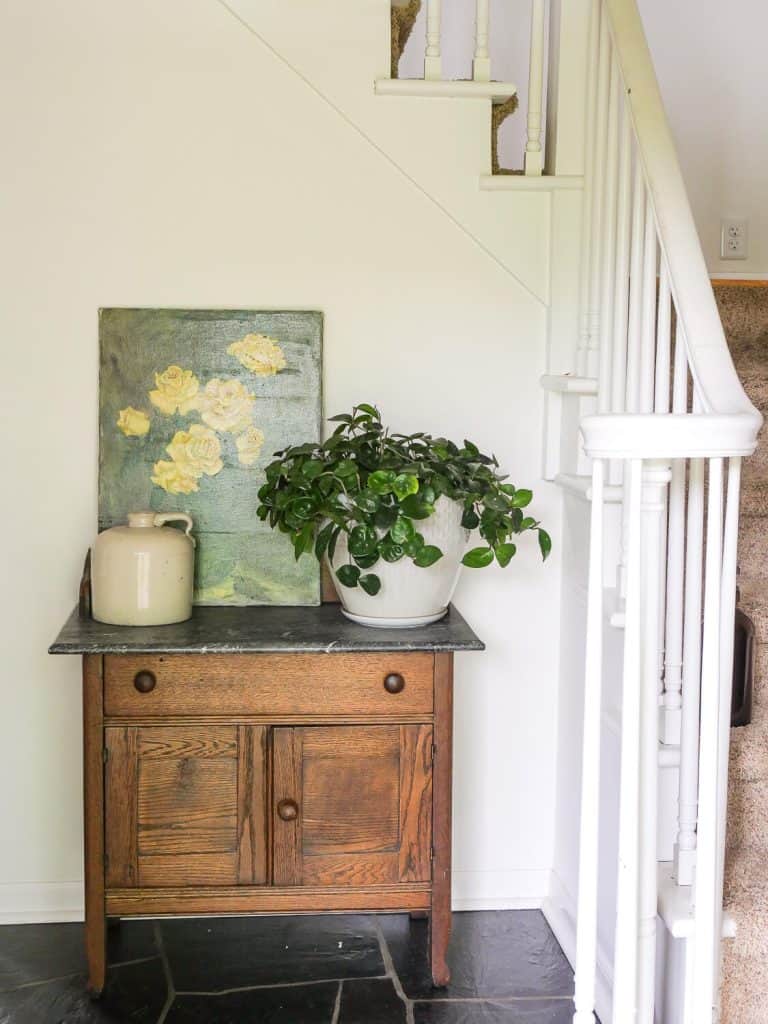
[(385, 516), (310, 470), (413, 547), (405, 484), (478, 558), (381, 481), (302, 541), (415, 508), (348, 575), (528, 523), (391, 552), (522, 498), (322, 540), (470, 520), (370, 409), (370, 583), (334, 538), (363, 540), (345, 468), (366, 561), (342, 418), (428, 555), (545, 544), (402, 530), (498, 502), (367, 501), (504, 554)]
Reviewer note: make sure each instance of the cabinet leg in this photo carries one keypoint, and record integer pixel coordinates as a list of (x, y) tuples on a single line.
[(440, 916), (439, 937), (93, 771)]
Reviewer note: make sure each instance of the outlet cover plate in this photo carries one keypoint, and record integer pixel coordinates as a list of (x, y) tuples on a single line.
[(733, 239)]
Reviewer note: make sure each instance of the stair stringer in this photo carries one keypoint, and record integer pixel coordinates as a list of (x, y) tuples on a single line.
[(443, 145)]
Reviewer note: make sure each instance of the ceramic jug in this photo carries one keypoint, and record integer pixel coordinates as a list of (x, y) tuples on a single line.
[(142, 574)]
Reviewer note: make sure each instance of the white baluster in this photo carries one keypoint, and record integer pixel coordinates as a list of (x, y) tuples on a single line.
[(621, 298), (685, 848), (635, 316), (708, 902), (671, 713), (433, 68), (655, 478), (587, 354), (627, 905), (598, 173), (481, 65), (648, 328), (586, 921), (608, 274), (534, 151)]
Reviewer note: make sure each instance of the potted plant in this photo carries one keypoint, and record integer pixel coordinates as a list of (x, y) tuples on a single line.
[(392, 514)]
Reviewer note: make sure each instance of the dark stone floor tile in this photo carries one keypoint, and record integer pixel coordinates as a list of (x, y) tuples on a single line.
[(371, 1002), (493, 954), (297, 1004), (134, 994), (130, 940), (214, 954), (31, 952), (523, 1011), (34, 952)]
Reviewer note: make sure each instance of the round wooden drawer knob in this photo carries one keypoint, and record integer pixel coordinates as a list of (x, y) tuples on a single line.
[(145, 681), (288, 810), (394, 683)]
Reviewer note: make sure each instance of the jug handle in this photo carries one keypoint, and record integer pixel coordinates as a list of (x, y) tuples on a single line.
[(179, 517)]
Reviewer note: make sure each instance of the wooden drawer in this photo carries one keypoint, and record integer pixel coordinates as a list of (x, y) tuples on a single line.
[(288, 685)]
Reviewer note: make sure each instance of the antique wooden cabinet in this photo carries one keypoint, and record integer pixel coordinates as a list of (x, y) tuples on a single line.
[(266, 760)]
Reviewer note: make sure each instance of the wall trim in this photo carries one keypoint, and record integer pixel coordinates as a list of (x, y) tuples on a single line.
[(559, 909), (525, 889), (739, 280), (41, 902)]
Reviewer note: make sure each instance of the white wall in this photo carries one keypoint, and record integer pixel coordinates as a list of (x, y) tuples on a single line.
[(711, 63), (160, 154)]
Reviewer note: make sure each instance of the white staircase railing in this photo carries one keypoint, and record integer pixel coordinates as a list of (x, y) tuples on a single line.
[(671, 427)]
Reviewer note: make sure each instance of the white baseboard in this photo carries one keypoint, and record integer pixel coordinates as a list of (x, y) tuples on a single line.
[(559, 908), (490, 890), (41, 902)]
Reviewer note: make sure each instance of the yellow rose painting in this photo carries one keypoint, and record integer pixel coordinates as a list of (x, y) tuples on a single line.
[(225, 405), (249, 445), (193, 404), (175, 390), (173, 478), (259, 354), (133, 422), (197, 451)]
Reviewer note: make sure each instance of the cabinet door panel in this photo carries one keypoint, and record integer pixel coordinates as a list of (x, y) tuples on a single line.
[(185, 806), (364, 799)]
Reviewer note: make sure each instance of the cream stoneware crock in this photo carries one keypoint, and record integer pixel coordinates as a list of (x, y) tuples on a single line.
[(142, 574)]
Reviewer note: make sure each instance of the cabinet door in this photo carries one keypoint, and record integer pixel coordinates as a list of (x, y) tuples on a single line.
[(352, 805), (185, 805)]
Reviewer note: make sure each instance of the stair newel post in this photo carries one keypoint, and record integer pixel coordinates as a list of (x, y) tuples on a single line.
[(534, 151), (655, 478), (708, 896), (481, 65), (433, 69), (586, 923), (586, 359), (627, 899), (685, 847)]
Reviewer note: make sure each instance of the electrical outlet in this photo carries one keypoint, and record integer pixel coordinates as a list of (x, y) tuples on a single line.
[(733, 239)]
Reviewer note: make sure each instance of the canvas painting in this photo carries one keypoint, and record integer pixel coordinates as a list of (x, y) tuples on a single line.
[(193, 404)]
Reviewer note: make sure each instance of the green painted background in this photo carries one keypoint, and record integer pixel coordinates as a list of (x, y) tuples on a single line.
[(234, 549)]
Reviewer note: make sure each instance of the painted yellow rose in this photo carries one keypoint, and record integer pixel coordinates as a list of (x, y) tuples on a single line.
[(197, 451), (133, 422), (259, 354), (176, 390), (249, 445), (173, 478), (225, 405)]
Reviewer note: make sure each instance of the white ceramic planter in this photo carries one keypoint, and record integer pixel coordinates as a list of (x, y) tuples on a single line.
[(409, 595)]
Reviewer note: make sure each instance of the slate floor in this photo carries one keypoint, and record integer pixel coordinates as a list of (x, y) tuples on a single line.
[(507, 969)]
